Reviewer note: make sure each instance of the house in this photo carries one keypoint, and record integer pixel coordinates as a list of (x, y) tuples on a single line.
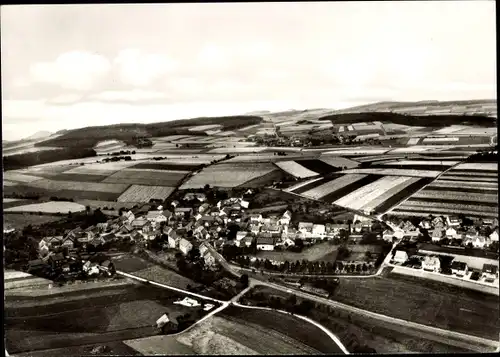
[(129, 215), (102, 226), (158, 216), (135, 236), (7, 228), (225, 211), (318, 230), (387, 235), (437, 234), (490, 272), (494, 235), (265, 243), (173, 239), (203, 208), (185, 246), (174, 203), (254, 228), (126, 229), (240, 235), (451, 233), (286, 218), (108, 238), (305, 228), (244, 204), (244, 242), (431, 264), (183, 212), (437, 220), (459, 268), (68, 242), (138, 223), (425, 224), (275, 230), (400, 256), (209, 259), (97, 241), (439, 225), (255, 218), (477, 241), (57, 260), (407, 226), (335, 228), (453, 221)]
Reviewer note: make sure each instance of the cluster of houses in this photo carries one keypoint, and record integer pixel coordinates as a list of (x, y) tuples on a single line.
[(448, 228)]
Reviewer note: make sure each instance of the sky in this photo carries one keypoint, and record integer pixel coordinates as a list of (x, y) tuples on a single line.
[(71, 66)]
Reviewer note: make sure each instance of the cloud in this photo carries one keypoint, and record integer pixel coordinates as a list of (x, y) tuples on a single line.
[(213, 56), (135, 95), (65, 99), (72, 70), (141, 69)]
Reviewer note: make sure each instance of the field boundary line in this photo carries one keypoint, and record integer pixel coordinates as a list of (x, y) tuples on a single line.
[(317, 324)]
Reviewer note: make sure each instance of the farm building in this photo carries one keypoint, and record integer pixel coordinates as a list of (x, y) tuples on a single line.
[(185, 246), (209, 259), (494, 235), (431, 263), (318, 230), (459, 268), (255, 218), (285, 218), (245, 242), (334, 228), (387, 235), (400, 256), (305, 228), (451, 233), (438, 234), (265, 243), (490, 272), (139, 223), (158, 216), (453, 221)]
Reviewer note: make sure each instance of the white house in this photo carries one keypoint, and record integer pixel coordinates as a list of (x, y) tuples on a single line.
[(203, 208), (459, 268), (185, 246), (305, 228), (431, 264), (286, 218), (129, 215), (244, 204), (452, 221), (265, 243), (398, 234), (158, 216), (209, 259), (400, 256), (244, 242), (490, 272), (477, 241), (162, 321), (425, 224), (318, 230), (451, 233), (173, 240), (240, 235), (387, 235), (494, 236)]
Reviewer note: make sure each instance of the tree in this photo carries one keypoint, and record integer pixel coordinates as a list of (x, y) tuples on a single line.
[(365, 267), (368, 255), (340, 266), (194, 254), (206, 187), (358, 267), (244, 280)]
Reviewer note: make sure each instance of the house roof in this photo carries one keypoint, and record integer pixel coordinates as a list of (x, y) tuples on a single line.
[(490, 268), (184, 241), (255, 215), (305, 225), (458, 265), (183, 209), (265, 241), (57, 256), (432, 261)]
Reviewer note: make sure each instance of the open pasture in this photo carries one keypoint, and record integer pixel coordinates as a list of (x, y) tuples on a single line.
[(19, 177), (94, 204), (48, 207), (364, 195), (228, 175), (295, 169), (422, 301), (331, 186), (80, 185), (318, 252), (141, 193), (394, 172), (146, 177)]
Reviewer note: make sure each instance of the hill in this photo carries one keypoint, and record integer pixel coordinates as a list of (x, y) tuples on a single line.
[(133, 134), (411, 120), (39, 135)]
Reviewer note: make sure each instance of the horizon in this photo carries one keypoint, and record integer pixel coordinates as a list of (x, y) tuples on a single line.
[(164, 62)]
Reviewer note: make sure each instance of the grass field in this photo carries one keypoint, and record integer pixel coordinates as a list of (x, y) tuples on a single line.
[(87, 321), (424, 302), (146, 177), (116, 348), (48, 207), (19, 221), (314, 253), (81, 186), (141, 193)]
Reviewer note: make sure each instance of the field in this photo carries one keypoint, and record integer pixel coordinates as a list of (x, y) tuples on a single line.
[(146, 177), (368, 195), (18, 177), (140, 193), (295, 169), (424, 302), (394, 172), (101, 319), (19, 221), (48, 207), (338, 161), (47, 184), (232, 150), (228, 175), (332, 186), (167, 166), (316, 252)]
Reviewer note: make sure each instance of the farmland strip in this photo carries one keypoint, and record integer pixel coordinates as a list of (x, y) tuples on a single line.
[(318, 166), (331, 186), (467, 178), (311, 185), (358, 198), (394, 172), (420, 162), (449, 210), (140, 193), (167, 166), (75, 177), (474, 172), (441, 201), (425, 213), (478, 166), (338, 161), (83, 186), (397, 166), (401, 195), (150, 178), (460, 189), (369, 206), (299, 185), (454, 183), (455, 196), (332, 197), (295, 169)]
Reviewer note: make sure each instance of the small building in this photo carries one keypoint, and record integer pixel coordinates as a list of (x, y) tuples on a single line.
[(438, 234), (453, 221), (451, 233), (477, 241), (244, 204), (318, 230), (185, 246), (305, 228), (335, 228), (245, 242), (57, 260), (240, 235), (387, 235), (400, 256), (158, 216), (255, 218), (68, 242), (139, 223), (265, 243), (203, 208), (459, 268), (174, 203), (494, 235), (425, 224), (431, 263), (209, 259), (254, 228), (173, 239), (183, 211), (490, 272)]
